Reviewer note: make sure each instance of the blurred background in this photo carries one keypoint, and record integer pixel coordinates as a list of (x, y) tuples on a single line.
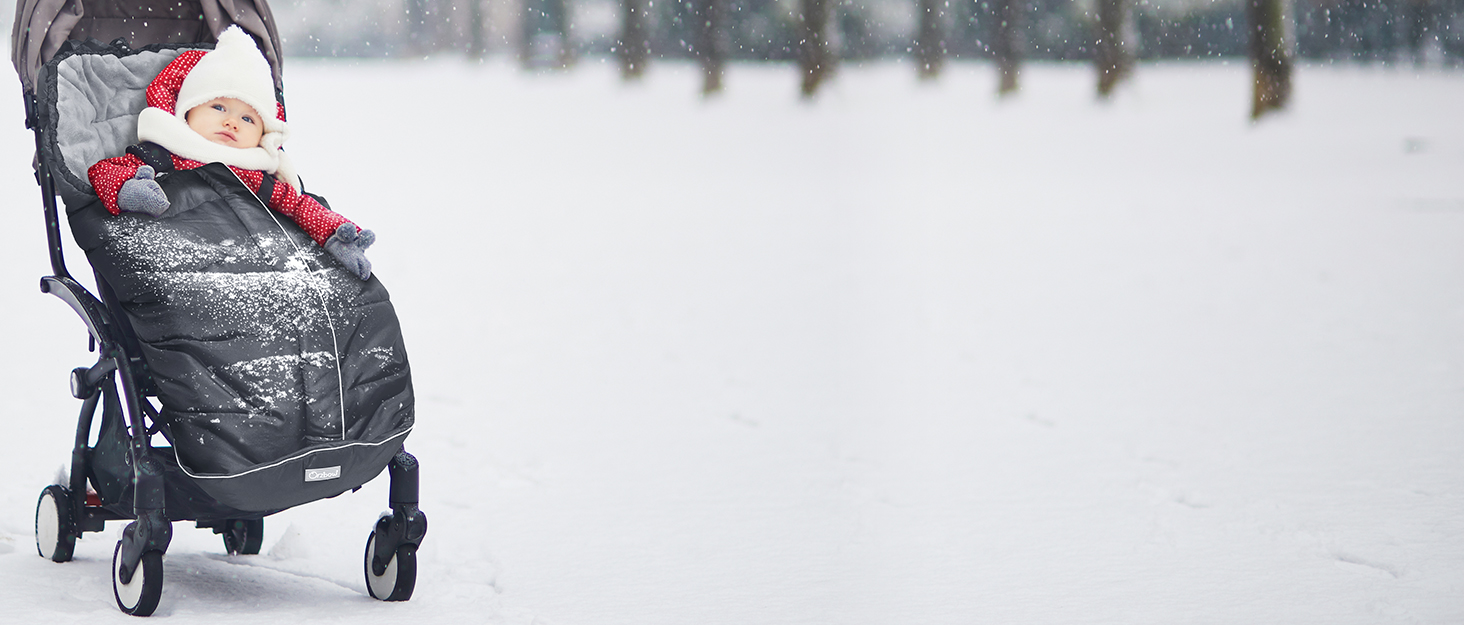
[(553, 32), (820, 35), (910, 351)]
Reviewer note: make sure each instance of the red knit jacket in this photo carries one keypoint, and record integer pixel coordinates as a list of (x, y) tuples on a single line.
[(108, 176)]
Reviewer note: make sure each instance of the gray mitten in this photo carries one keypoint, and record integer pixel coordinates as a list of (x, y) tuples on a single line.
[(142, 194), (348, 245)]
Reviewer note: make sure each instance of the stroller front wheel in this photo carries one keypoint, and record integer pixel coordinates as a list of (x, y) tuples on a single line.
[(55, 530), (140, 596), (399, 579)]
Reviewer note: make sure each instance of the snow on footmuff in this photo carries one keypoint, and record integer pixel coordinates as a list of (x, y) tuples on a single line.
[(274, 365)]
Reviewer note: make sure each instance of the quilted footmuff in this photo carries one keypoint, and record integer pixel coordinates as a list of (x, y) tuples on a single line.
[(282, 377)]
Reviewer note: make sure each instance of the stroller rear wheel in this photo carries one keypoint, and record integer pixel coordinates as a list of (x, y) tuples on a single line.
[(55, 529), (243, 536), (140, 597), (397, 582)]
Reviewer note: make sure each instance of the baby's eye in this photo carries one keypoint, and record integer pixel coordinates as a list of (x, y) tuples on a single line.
[(217, 107), (248, 119)]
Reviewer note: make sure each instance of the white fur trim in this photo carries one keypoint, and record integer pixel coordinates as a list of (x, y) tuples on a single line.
[(286, 173), (157, 126)]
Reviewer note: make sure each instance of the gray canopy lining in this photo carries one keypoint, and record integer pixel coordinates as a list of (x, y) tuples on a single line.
[(41, 26)]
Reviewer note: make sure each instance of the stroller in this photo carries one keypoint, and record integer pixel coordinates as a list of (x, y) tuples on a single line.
[(273, 376)]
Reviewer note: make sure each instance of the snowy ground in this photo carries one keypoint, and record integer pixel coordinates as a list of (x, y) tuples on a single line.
[(905, 354)]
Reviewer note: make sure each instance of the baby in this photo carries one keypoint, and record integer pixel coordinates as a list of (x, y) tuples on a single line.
[(209, 107)]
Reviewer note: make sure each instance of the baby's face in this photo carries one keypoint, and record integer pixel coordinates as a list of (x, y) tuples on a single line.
[(227, 121)]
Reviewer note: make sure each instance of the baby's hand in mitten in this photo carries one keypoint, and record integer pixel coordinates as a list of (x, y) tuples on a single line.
[(142, 194), (348, 245)]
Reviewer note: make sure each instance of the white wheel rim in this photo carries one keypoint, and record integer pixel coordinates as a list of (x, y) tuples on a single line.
[(381, 587), (128, 594), (48, 526)]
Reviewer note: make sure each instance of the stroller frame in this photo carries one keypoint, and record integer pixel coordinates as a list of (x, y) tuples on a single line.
[(154, 492)]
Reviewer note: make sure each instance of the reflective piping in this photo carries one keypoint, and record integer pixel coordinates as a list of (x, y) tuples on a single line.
[(287, 459), (335, 342)]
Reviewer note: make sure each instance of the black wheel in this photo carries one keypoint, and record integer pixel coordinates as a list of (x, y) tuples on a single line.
[(243, 537), (140, 597), (400, 577), (55, 530)]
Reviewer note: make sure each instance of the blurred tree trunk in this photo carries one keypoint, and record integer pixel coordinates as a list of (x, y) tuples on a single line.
[(1270, 54), (635, 39), (477, 30), (1006, 45), (1114, 52), (813, 48), (1418, 24), (418, 40), (546, 41), (528, 26), (930, 45), (712, 43), (559, 20)]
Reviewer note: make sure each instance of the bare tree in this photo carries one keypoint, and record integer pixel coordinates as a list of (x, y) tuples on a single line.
[(814, 57), (930, 45), (635, 39), (419, 37), (1418, 17), (544, 34), (1113, 52), (477, 30), (560, 12), (1270, 54), (529, 18), (1007, 43), (712, 43)]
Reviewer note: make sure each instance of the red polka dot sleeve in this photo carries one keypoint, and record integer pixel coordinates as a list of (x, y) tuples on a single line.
[(108, 175), (318, 221)]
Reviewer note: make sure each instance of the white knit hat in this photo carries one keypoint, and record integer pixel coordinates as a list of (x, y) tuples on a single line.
[(233, 69)]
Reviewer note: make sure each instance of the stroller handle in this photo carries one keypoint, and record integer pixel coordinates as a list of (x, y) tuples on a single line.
[(48, 193)]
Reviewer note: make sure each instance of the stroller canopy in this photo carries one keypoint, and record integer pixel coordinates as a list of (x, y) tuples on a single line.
[(41, 26)]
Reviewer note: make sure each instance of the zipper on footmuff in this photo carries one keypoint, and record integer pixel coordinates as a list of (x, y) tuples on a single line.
[(324, 307)]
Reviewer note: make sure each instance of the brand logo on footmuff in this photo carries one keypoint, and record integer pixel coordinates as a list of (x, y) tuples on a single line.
[(321, 475)]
